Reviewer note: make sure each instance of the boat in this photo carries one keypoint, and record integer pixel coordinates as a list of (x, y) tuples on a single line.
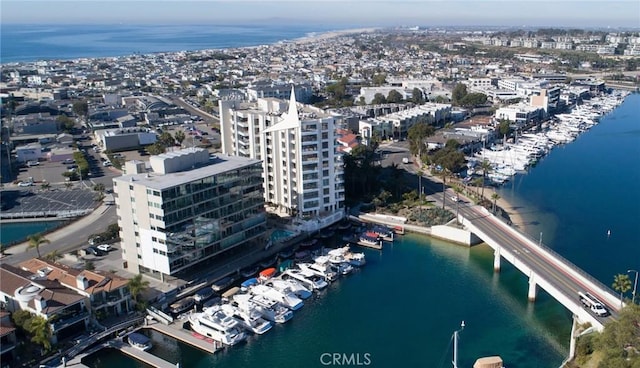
[(345, 225), (182, 306), (269, 262), (223, 283), (322, 267), (327, 234), (247, 284), (139, 341), (345, 255), (288, 253), (309, 243), (216, 324), (290, 286), (231, 292), (356, 259), (267, 274), (286, 298), (249, 319), (369, 241), (249, 271), (307, 278), (382, 232), (303, 255), (268, 309)]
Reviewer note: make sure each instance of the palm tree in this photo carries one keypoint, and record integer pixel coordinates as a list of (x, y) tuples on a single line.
[(35, 240), (621, 283), (444, 173), (40, 330), (68, 184), (46, 185), (53, 256), (458, 190), (179, 136), (486, 167), (495, 196), (99, 187), (136, 286)]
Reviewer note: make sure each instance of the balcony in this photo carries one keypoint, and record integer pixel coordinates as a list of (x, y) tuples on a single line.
[(60, 324)]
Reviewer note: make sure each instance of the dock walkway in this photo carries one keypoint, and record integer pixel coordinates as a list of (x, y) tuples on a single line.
[(179, 334), (140, 355)]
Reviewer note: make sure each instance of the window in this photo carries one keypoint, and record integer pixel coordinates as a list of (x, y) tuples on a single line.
[(155, 250)]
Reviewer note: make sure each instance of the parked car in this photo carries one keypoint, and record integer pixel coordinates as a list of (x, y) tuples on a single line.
[(25, 184), (32, 163), (104, 247), (94, 251), (69, 161), (106, 163)]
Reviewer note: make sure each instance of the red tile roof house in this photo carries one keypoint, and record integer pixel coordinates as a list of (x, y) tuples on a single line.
[(7, 338), (66, 295)]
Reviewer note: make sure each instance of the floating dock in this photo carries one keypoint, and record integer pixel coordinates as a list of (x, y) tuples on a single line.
[(140, 355), (182, 335)]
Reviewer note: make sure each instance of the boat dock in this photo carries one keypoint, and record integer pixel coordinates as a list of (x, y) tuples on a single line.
[(181, 335), (140, 355), (356, 241)]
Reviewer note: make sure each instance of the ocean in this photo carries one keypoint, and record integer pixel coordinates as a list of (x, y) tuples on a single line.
[(403, 307), (27, 43)]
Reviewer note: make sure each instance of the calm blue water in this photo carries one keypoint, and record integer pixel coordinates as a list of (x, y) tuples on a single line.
[(48, 42), (403, 307), (17, 232)]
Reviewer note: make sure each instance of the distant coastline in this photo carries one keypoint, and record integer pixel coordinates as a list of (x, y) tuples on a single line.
[(23, 44)]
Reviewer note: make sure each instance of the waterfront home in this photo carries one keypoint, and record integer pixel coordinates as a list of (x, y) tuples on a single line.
[(67, 311), (108, 294)]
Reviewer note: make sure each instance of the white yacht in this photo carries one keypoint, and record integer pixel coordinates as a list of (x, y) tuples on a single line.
[(307, 278), (268, 309), (290, 286), (344, 254), (287, 298), (216, 324), (250, 318), (322, 267)]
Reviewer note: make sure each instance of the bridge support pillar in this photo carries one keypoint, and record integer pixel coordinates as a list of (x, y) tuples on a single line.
[(496, 260), (572, 342), (532, 288)]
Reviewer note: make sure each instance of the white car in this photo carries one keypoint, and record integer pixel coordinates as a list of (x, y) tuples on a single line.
[(104, 247), (33, 163), (25, 184)]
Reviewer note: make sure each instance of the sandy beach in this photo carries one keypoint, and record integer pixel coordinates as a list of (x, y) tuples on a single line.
[(331, 34)]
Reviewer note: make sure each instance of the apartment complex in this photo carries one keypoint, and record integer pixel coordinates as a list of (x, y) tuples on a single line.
[(303, 174), (187, 208)]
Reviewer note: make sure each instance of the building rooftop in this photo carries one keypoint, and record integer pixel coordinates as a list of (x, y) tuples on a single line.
[(215, 166)]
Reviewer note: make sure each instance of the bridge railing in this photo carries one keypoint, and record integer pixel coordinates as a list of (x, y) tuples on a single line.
[(575, 268)]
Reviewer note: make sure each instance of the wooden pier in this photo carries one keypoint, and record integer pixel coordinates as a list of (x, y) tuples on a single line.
[(184, 336)]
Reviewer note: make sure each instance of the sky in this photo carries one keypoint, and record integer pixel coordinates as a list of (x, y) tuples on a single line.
[(559, 13)]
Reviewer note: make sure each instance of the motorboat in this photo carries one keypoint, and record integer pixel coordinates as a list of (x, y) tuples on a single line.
[(182, 306), (356, 259), (287, 298), (268, 309), (249, 319), (307, 278), (290, 286), (267, 273), (223, 283), (344, 255), (216, 324), (247, 284), (139, 341), (322, 267), (249, 271)]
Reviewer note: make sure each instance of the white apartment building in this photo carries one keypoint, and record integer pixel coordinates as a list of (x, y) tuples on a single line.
[(520, 114), (397, 125), (188, 209), (303, 175)]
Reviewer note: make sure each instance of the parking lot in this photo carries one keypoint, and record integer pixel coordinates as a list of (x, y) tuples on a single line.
[(57, 202)]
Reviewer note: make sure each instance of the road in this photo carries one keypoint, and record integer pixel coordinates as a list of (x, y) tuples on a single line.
[(530, 255), (71, 237)]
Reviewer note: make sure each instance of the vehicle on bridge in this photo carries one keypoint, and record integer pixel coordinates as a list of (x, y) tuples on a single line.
[(591, 302)]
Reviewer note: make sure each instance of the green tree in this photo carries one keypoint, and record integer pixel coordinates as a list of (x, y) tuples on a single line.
[(495, 196), (473, 100), (416, 135), (35, 240), (504, 128), (179, 136), (486, 168), (156, 148), (45, 185), (378, 99), (99, 187), (81, 108), (458, 93), (379, 79), (394, 96), (417, 97), (137, 285), (166, 139), (53, 256), (66, 123), (40, 331), (622, 284), (20, 318), (458, 190)]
